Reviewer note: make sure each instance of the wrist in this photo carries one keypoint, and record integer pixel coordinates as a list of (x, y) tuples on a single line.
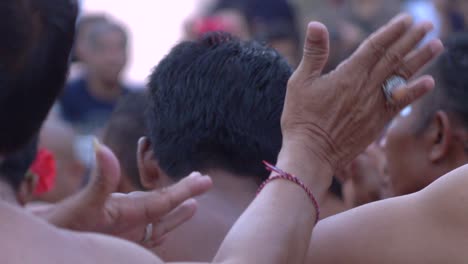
[(304, 163)]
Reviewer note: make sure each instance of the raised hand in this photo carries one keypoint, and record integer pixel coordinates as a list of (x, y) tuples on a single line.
[(335, 116), (96, 209)]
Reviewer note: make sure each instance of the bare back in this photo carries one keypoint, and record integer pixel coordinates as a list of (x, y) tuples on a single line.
[(430, 226), (26, 239)]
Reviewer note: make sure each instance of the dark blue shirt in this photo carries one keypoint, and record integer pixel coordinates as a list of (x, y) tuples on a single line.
[(85, 112)]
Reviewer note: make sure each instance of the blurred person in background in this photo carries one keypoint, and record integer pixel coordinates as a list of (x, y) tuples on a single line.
[(363, 180), (123, 131), (100, 54), (221, 15), (84, 27), (453, 15), (273, 22), (87, 102), (362, 17)]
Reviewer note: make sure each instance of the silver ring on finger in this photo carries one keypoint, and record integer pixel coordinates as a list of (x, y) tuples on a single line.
[(148, 234), (390, 85)]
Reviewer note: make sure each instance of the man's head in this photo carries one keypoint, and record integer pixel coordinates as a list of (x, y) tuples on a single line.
[(34, 54), (215, 104), (125, 127), (430, 137), (105, 52)]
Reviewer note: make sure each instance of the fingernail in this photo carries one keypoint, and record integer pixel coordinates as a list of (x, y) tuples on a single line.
[(318, 33), (96, 145), (429, 83), (203, 179), (427, 26), (436, 46), (407, 19), (195, 174), (190, 202)]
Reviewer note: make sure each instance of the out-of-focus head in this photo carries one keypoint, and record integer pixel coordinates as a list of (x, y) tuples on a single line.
[(125, 127), (430, 137), (85, 25), (283, 38), (366, 10), (215, 104), (363, 179), (105, 53), (34, 54)]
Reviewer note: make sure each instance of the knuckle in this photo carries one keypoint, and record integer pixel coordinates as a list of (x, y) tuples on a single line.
[(377, 50), (393, 58)]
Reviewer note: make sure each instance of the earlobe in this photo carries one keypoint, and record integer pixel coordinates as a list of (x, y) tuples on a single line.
[(148, 167), (26, 190), (440, 136)]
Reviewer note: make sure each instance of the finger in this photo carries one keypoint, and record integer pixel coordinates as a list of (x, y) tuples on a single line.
[(373, 48), (177, 217), (405, 95), (106, 176), (395, 55), (159, 242), (417, 59), (159, 203), (316, 50)]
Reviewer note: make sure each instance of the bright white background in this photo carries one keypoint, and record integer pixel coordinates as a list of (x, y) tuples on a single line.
[(154, 25)]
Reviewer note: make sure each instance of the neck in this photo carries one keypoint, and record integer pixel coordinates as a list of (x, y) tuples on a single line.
[(7, 194), (104, 90), (230, 191)]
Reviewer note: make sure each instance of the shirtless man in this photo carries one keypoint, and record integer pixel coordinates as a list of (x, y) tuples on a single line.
[(306, 152), (426, 141)]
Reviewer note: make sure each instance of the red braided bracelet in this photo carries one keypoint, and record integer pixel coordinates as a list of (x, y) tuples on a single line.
[(286, 176)]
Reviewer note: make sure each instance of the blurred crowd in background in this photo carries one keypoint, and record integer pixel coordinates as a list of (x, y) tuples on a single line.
[(87, 107), (103, 45)]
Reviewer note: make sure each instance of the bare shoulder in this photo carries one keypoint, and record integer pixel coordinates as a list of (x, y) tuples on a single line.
[(404, 229), (106, 249), (447, 199), (28, 239)]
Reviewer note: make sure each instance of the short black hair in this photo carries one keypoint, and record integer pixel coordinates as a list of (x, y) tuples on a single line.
[(124, 128), (450, 73), (216, 103), (15, 166), (34, 54)]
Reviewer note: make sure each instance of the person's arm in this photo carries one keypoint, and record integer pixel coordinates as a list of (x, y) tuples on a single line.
[(327, 120), (425, 227)]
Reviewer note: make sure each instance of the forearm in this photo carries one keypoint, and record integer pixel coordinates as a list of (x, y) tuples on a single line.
[(276, 227)]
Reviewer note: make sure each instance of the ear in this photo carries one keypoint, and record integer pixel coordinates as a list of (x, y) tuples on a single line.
[(150, 173), (26, 190), (439, 136)]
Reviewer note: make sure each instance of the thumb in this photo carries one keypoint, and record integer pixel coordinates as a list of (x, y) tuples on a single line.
[(316, 50), (106, 175)]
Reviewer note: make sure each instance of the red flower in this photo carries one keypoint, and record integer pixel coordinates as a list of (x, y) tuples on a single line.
[(211, 24), (45, 169)]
